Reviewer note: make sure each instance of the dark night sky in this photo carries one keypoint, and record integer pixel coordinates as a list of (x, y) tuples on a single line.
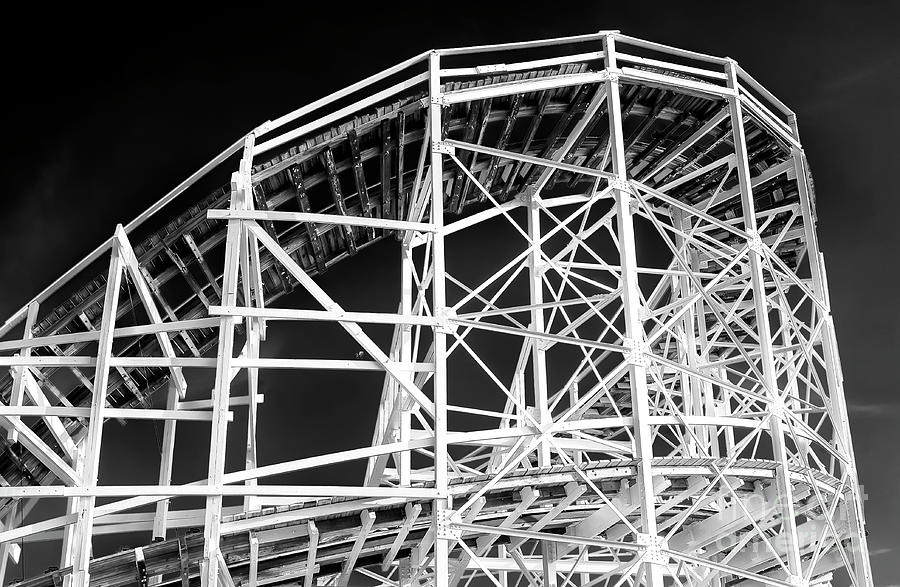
[(101, 120)]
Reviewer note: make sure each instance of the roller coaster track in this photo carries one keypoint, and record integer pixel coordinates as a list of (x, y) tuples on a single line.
[(676, 414)]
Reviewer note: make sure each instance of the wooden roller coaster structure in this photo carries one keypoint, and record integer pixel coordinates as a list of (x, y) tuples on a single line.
[(675, 415)]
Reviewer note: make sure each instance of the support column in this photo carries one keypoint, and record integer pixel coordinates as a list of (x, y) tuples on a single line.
[(502, 576), (84, 527), (17, 393), (68, 541), (538, 353), (548, 563), (10, 551), (692, 402), (212, 527), (634, 327), (255, 329), (406, 357), (763, 328), (160, 519), (859, 542), (439, 306)]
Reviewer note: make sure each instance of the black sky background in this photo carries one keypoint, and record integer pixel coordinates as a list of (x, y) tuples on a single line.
[(101, 118)]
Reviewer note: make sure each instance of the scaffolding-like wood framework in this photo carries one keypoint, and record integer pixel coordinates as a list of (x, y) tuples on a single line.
[(676, 414)]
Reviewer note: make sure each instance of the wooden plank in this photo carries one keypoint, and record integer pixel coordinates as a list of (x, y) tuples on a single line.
[(601, 150), (642, 158), (578, 105), (502, 141), (445, 133), (649, 119), (674, 151), (182, 268), (261, 203), (254, 561), (92, 335), (387, 195), (198, 256), (337, 194), (166, 462), (472, 121), (411, 512), (240, 196), (324, 219), (359, 176), (367, 519), (312, 547), (303, 202), (529, 137), (479, 137), (402, 193), (84, 528), (225, 579)]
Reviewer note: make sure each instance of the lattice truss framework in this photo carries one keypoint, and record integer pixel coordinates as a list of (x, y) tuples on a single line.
[(675, 415)]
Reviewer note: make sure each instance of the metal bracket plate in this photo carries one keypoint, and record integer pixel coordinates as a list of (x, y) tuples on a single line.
[(497, 67), (444, 325), (754, 243), (637, 352), (656, 545), (620, 183), (442, 147), (445, 528)]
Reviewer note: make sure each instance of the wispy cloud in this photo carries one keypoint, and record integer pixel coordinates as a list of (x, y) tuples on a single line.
[(836, 86), (875, 410)]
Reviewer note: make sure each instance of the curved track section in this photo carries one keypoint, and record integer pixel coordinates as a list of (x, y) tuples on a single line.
[(634, 378)]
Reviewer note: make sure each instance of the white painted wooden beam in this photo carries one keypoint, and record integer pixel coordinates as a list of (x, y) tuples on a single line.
[(367, 519)]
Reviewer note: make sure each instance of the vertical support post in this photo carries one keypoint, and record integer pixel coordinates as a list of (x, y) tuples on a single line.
[(792, 389), (538, 353), (502, 576), (834, 377), (577, 455), (404, 574), (240, 185), (251, 282), (85, 525), (312, 547), (634, 327), (17, 393), (160, 519), (586, 577), (690, 387), (6, 549), (726, 409), (439, 305), (710, 433), (767, 358), (406, 356), (548, 563), (68, 541), (251, 502), (254, 561)]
